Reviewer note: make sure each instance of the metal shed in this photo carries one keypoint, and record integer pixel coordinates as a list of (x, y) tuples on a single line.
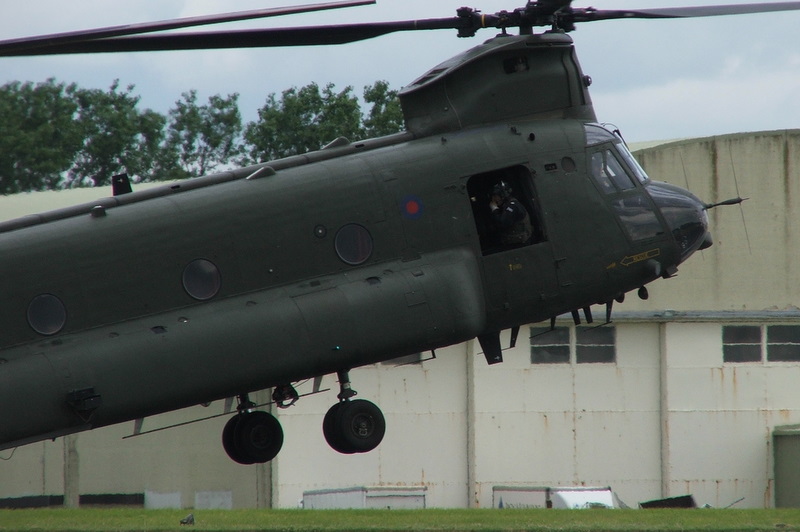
[(786, 445), (385, 497)]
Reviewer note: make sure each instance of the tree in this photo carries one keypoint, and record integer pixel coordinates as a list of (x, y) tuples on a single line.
[(385, 116), (201, 138), (54, 135), (302, 120), (38, 134), (306, 119), (117, 137)]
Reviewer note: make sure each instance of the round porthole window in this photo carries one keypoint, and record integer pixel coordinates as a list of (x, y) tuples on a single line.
[(353, 244), (47, 314), (201, 279)]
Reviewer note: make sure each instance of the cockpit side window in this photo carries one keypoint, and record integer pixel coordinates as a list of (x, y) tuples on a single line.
[(599, 173), (637, 215), (609, 173), (596, 134), (633, 164), (617, 172), (630, 203)]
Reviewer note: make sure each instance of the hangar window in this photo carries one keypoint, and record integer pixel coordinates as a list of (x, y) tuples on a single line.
[(406, 360), (757, 343), (783, 343), (594, 345), (578, 345), (550, 346), (741, 343)]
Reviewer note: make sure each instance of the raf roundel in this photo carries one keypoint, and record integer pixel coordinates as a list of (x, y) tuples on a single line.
[(412, 207)]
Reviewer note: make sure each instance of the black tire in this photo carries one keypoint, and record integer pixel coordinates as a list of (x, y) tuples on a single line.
[(229, 441), (360, 425), (258, 437), (331, 432)]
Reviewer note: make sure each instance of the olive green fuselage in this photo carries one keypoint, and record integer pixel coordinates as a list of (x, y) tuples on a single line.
[(288, 307), (156, 300)]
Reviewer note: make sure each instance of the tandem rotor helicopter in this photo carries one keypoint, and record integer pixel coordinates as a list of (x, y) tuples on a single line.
[(504, 202)]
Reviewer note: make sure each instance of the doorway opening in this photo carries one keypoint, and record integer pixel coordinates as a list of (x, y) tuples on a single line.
[(501, 226)]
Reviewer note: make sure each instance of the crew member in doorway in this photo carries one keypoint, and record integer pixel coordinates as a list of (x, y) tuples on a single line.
[(510, 218)]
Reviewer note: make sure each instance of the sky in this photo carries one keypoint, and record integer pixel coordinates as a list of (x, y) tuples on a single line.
[(654, 79)]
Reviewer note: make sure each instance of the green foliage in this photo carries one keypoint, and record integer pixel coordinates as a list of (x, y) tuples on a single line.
[(38, 138), (117, 137), (394, 520), (308, 118), (54, 135), (385, 116), (302, 120), (201, 137)]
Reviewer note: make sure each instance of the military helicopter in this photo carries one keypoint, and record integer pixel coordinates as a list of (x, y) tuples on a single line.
[(293, 269)]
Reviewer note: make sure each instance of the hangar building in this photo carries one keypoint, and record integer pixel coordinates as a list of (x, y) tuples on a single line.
[(683, 393)]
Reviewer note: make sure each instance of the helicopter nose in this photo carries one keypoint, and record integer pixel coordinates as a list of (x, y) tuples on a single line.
[(686, 216)]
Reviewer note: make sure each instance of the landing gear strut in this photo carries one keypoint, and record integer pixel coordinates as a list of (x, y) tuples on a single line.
[(353, 426), (252, 436)]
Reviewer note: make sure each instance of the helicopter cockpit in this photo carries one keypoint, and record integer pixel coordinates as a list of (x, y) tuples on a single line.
[(620, 178), (638, 201), (608, 164)]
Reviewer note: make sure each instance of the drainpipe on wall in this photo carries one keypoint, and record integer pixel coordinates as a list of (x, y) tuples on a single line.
[(473, 499), (72, 490)]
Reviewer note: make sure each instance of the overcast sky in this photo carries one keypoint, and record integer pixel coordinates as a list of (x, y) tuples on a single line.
[(655, 80)]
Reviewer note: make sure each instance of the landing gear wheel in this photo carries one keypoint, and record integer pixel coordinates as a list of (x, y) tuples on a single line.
[(354, 426), (362, 425), (252, 437), (229, 442), (330, 431), (259, 436)]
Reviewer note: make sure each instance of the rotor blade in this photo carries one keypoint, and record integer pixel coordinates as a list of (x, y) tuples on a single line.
[(125, 38), (17, 46), (684, 12), (303, 36)]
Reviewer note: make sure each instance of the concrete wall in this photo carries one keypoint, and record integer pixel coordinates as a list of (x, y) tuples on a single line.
[(668, 418), (426, 444), (183, 463), (571, 424), (753, 263), (719, 418)]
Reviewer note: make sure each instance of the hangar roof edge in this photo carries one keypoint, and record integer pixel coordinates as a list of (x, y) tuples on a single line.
[(653, 145), (699, 316)]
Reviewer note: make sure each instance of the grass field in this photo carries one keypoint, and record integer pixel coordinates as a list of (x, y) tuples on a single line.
[(399, 520)]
